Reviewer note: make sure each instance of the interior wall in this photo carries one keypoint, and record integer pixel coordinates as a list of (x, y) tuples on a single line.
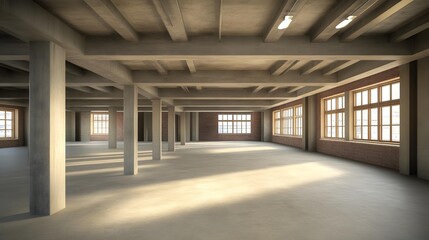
[(20, 140), (119, 130), (208, 129)]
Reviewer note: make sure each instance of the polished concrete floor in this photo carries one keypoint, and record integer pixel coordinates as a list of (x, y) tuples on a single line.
[(217, 190)]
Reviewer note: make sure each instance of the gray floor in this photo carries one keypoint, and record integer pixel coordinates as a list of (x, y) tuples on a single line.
[(217, 190)]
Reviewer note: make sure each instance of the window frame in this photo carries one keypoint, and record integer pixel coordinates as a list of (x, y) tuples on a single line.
[(379, 105), (13, 120), (93, 133), (234, 123), (288, 131), (337, 112)]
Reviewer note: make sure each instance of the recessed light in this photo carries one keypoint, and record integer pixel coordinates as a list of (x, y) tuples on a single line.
[(345, 22), (285, 23)]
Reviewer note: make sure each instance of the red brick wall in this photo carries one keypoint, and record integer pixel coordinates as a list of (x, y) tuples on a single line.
[(209, 126), (377, 154), (19, 141), (285, 140), (119, 130)]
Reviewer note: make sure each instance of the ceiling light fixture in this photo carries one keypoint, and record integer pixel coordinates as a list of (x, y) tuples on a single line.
[(285, 23), (345, 22)]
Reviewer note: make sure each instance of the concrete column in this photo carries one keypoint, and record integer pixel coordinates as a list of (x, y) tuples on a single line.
[(156, 130), (309, 121), (182, 128), (171, 128), (266, 125), (348, 116), (147, 125), (195, 127), (85, 126), (27, 126), (130, 130), (422, 118), (47, 128), (408, 131), (188, 126), (70, 126), (112, 128)]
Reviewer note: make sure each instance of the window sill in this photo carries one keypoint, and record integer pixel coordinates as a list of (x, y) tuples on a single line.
[(289, 136), (361, 142)]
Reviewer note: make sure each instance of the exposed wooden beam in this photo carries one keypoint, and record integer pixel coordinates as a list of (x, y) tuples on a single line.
[(191, 66), (288, 7), (381, 13), (315, 65), (325, 28), (416, 26), (337, 66), (108, 12), (171, 16), (282, 67)]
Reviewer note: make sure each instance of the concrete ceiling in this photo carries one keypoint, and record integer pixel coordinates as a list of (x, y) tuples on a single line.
[(204, 52)]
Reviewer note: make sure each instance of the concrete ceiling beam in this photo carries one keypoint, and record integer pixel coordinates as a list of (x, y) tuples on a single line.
[(171, 16), (214, 93), (381, 13), (108, 12), (414, 27)]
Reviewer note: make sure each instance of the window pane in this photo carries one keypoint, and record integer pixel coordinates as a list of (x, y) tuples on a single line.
[(395, 114), (385, 93), (365, 117), (374, 95), (328, 132), (395, 91), (8, 133), (358, 132), (2, 125), (374, 116), (365, 97), (334, 104), (9, 115), (385, 114), (385, 133), (374, 133), (2, 133), (328, 105), (219, 117), (358, 99), (8, 124), (358, 117), (2, 114), (365, 132), (395, 133)]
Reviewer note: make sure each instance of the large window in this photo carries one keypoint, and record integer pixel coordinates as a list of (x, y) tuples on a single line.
[(334, 116), (99, 123), (7, 126), (234, 123), (277, 122), (288, 121), (377, 112)]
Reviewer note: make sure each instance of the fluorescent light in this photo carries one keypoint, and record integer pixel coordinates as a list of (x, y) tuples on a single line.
[(345, 22), (285, 23)]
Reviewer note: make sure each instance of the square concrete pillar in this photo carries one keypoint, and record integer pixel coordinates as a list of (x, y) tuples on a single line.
[(156, 129), (171, 128), (422, 118), (266, 125), (188, 126), (70, 126), (147, 127), (47, 128), (112, 128), (195, 127), (183, 128), (130, 130), (85, 126), (309, 122), (348, 116), (408, 119)]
